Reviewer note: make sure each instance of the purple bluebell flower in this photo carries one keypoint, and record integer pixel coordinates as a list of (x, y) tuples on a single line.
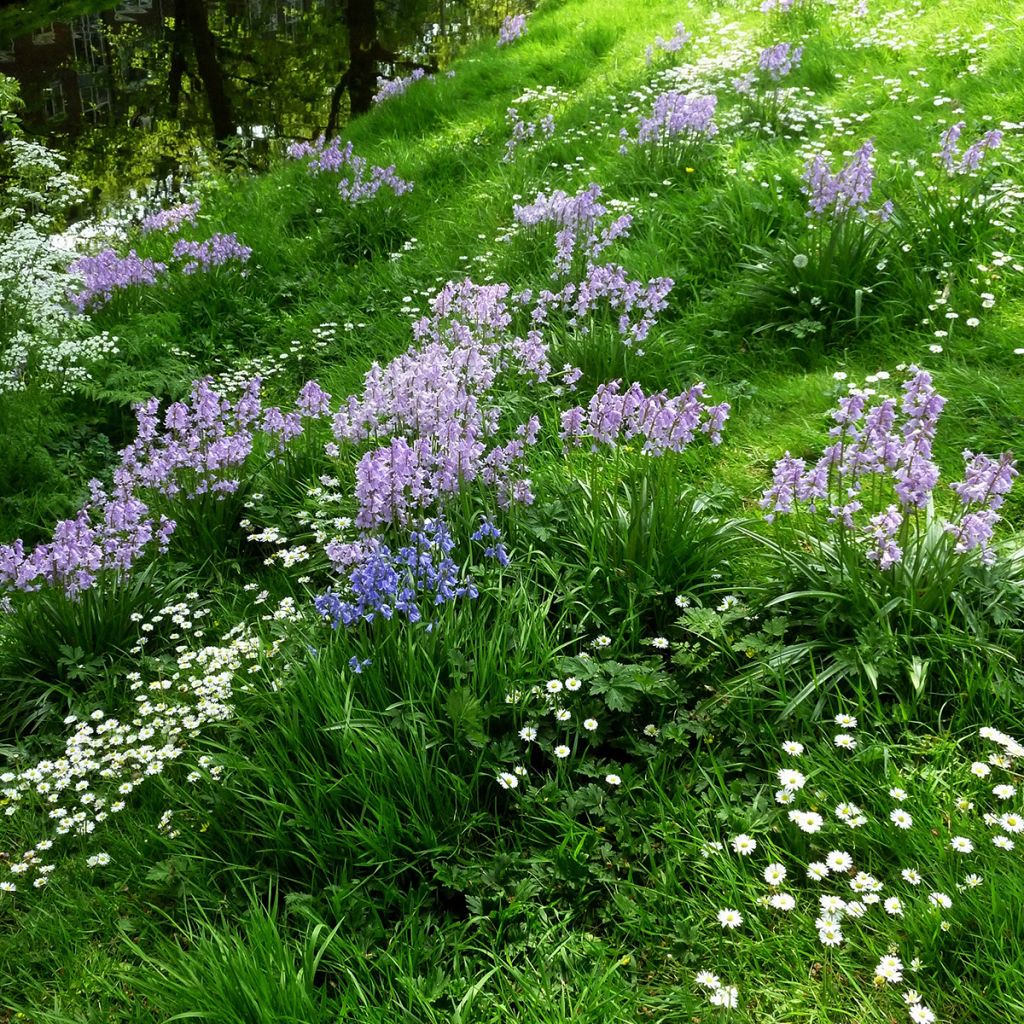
[(511, 29), (578, 219), (384, 583), (679, 38), (387, 88), (882, 532), (779, 60), (211, 252), (664, 424), (893, 441), (949, 149), (676, 116), (847, 190), (106, 273), (171, 219), (360, 180)]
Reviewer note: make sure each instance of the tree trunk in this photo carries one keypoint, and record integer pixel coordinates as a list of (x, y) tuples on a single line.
[(362, 54), (205, 46), (177, 71)]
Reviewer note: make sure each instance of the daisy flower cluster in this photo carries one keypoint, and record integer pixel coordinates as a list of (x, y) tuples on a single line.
[(878, 878), (107, 757), (566, 719)]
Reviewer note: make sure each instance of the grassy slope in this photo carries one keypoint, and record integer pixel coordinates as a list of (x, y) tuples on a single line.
[(412, 948)]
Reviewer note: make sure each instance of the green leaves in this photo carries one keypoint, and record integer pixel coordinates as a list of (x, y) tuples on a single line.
[(466, 713)]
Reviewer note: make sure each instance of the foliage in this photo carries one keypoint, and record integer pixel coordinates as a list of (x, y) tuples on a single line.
[(418, 652)]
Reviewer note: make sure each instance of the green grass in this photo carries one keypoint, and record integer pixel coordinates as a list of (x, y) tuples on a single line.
[(339, 846)]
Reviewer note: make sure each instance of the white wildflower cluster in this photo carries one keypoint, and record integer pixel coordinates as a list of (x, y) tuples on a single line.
[(718, 994), (861, 892), (107, 757), (183, 619), (558, 699), (231, 383), (44, 341), (321, 520), (562, 718)]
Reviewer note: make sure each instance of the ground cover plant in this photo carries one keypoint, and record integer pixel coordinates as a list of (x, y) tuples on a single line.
[(551, 552)]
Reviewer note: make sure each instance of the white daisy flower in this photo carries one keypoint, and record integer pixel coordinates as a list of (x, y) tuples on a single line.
[(743, 844), (893, 906), (807, 821), (900, 818), (890, 969), (839, 860), (791, 780), (729, 918)]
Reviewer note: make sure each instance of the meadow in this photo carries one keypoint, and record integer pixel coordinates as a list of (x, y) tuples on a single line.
[(551, 553)]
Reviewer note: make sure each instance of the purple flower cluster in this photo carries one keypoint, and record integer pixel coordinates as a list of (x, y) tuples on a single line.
[(361, 180), (490, 536), (107, 537), (525, 131), (782, 6), (676, 117), (968, 162), (434, 407), (212, 252), (849, 189), (387, 88), (892, 443), (637, 303), (779, 60), (986, 483), (201, 447), (106, 273), (205, 442), (673, 44), (664, 424), (171, 219), (383, 583), (511, 29), (577, 219)]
